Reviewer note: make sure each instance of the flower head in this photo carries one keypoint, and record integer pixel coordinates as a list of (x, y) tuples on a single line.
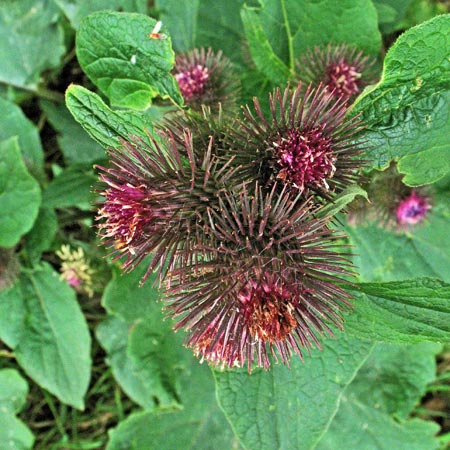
[(75, 270), (412, 209), (206, 78), (156, 200), (392, 204), (343, 70), (269, 285), (307, 142)]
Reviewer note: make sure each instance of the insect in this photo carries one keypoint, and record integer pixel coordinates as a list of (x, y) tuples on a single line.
[(155, 34)]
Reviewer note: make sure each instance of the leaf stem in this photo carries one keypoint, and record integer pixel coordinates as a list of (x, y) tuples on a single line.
[(289, 36), (51, 405)]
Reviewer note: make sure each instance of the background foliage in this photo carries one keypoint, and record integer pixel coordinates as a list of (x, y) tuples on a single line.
[(106, 371)]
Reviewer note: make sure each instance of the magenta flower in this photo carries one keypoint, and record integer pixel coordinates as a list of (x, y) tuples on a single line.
[(206, 78), (412, 210), (343, 70), (307, 142)]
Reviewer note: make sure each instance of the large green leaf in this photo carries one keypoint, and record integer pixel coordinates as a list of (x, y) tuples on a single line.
[(129, 67), (103, 124), (31, 41), (112, 334), (402, 311), (375, 407), (124, 297), (200, 425), (14, 123), (408, 113), (280, 31), (20, 195), (75, 144), (14, 435), (76, 10), (205, 23), (290, 408), (52, 342), (72, 187)]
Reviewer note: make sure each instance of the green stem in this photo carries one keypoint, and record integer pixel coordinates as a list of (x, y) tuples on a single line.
[(289, 36), (51, 405)]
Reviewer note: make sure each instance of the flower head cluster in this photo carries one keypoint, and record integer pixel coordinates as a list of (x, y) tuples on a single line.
[(230, 208), (343, 70), (205, 78), (75, 270)]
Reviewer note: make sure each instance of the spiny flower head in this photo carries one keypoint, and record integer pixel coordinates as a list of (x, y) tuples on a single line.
[(156, 200), (206, 78), (307, 142), (76, 270), (342, 69), (270, 283)]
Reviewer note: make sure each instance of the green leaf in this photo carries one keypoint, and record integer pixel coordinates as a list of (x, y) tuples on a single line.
[(391, 14), (289, 27), (359, 426), (76, 10), (14, 123), (155, 353), (262, 53), (205, 23), (408, 113), (200, 425), (124, 297), (424, 251), (104, 125), (112, 334), (290, 408), (342, 200), (72, 187), (118, 56), (20, 195), (401, 311), (41, 236), (12, 315), (52, 344), (14, 435), (75, 144), (31, 41)]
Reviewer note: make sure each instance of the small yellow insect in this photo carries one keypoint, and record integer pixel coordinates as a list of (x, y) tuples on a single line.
[(155, 34)]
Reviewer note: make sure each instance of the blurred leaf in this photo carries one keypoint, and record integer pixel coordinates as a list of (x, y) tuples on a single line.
[(359, 426), (395, 377), (391, 14), (72, 187), (104, 125), (14, 435), (408, 112), (287, 28), (401, 311), (52, 344), (14, 123), (41, 236), (31, 41), (200, 425), (12, 315), (112, 334), (76, 10), (205, 23), (125, 298), (129, 67), (155, 353), (290, 408), (342, 200), (19, 194), (75, 144), (424, 251)]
